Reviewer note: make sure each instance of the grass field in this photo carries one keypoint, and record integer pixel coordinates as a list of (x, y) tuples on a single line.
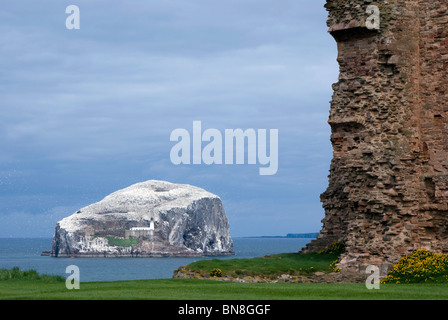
[(122, 242), (180, 289), (29, 285)]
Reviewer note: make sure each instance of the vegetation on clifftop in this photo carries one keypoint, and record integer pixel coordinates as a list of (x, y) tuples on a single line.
[(119, 242), (268, 266), (272, 266)]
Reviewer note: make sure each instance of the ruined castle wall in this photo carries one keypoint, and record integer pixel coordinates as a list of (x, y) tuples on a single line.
[(388, 182)]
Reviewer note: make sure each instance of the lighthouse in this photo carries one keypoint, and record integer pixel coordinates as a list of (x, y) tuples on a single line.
[(151, 229)]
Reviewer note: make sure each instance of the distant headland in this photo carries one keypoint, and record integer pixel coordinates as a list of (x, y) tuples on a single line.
[(290, 235)]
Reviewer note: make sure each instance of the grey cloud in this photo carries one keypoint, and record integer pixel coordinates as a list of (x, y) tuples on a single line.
[(113, 91)]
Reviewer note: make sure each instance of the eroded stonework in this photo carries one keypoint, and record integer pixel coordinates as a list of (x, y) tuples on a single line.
[(388, 182)]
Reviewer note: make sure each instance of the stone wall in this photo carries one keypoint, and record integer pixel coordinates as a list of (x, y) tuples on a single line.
[(144, 234), (388, 182)]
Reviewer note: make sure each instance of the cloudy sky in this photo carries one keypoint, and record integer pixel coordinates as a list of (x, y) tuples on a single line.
[(86, 112)]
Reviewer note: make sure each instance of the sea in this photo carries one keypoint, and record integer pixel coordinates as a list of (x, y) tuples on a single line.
[(25, 253)]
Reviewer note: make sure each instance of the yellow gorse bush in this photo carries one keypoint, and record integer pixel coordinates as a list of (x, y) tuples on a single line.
[(337, 247), (419, 266), (334, 267), (216, 272)]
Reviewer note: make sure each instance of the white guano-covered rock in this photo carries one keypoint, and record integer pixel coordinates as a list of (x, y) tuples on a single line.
[(188, 221)]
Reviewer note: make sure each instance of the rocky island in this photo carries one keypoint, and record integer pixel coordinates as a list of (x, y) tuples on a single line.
[(148, 219)]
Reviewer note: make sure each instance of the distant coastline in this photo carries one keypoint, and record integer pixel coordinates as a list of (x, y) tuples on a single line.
[(290, 236)]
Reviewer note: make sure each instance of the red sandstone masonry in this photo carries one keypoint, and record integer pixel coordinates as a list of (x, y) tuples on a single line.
[(388, 182)]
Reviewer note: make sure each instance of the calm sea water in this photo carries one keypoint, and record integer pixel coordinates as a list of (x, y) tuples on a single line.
[(25, 254)]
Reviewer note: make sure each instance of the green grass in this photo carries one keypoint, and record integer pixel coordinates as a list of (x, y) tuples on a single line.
[(267, 266), (29, 285), (27, 275), (181, 289), (122, 242)]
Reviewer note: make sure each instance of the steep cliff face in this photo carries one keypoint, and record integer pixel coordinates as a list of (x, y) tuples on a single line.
[(189, 221), (388, 182)]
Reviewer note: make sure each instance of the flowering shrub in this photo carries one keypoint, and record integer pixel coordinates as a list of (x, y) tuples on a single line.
[(419, 266), (216, 273), (337, 247), (333, 266)]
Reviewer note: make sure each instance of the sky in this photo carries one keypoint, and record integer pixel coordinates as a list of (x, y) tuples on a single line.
[(85, 112)]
